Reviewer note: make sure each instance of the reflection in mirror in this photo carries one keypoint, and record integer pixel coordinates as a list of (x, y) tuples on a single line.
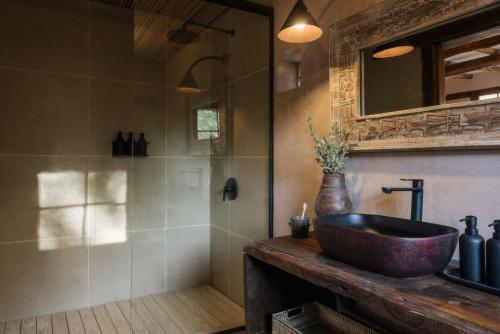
[(455, 61)]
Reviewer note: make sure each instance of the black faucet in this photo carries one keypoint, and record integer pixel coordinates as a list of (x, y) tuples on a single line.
[(417, 196)]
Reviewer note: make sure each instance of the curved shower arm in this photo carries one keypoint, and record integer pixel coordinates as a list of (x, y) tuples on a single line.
[(220, 59)]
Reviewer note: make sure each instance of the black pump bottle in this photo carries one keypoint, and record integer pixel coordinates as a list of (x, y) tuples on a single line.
[(471, 252), (493, 257)]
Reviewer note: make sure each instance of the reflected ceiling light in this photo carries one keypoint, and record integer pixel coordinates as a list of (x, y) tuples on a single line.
[(394, 49), (188, 83), (300, 26)]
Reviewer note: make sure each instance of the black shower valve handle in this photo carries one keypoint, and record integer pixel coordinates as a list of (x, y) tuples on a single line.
[(230, 190)]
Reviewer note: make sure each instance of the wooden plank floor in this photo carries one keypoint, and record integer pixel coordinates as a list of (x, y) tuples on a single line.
[(198, 310)]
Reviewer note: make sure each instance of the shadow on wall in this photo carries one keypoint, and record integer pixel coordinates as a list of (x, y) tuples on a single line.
[(67, 209)]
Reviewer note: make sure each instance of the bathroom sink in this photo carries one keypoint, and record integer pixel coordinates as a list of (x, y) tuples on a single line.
[(386, 245)]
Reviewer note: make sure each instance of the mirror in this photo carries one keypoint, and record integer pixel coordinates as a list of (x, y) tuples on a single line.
[(456, 61)]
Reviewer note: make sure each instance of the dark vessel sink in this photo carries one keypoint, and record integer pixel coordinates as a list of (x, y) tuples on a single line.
[(386, 245)]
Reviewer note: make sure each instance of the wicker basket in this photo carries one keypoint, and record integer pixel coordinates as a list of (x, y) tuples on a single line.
[(315, 318)]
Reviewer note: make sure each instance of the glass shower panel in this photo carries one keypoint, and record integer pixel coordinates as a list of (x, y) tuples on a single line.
[(95, 242), (240, 149)]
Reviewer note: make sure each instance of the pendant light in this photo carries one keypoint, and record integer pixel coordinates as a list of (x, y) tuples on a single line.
[(300, 26), (394, 49), (188, 83)]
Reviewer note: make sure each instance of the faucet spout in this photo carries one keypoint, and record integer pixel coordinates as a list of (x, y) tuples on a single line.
[(417, 198), (389, 190)]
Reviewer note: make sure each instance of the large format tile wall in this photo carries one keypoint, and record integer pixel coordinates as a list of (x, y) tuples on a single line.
[(456, 183), (77, 226), (243, 89)]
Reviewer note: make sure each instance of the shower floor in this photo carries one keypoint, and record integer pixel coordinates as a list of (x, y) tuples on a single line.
[(196, 310)]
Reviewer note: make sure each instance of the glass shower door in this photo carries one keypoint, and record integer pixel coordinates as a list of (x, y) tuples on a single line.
[(239, 147)]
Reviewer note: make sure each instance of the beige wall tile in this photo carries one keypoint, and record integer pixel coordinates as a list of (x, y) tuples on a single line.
[(249, 212), (181, 125), (150, 68), (43, 113), (127, 107), (188, 191), (219, 209), (149, 193), (42, 197), (149, 116), (111, 42), (43, 277), (148, 262), (110, 267), (219, 259), (50, 35), (250, 107), (110, 194), (112, 110), (188, 257), (236, 283)]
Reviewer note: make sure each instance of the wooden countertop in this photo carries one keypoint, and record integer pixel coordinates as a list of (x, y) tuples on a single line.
[(430, 302)]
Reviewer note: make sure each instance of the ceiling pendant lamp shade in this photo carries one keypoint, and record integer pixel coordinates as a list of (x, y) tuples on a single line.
[(300, 26), (391, 50)]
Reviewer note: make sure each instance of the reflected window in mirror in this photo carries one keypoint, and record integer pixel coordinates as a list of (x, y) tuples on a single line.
[(455, 61)]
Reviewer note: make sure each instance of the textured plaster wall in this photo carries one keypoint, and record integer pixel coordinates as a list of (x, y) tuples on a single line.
[(456, 183)]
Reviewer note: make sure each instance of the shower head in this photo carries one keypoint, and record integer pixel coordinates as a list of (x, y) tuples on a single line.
[(183, 36)]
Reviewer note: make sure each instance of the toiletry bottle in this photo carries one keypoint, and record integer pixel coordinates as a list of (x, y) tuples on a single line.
[(471, 252), (118, 145), (129, 145), (141, 146), (493, 257)]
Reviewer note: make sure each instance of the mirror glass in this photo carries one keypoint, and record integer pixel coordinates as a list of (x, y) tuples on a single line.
[(455, 61)]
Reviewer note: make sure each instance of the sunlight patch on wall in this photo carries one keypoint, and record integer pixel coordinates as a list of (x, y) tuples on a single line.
[(57, 189), (66, 217)]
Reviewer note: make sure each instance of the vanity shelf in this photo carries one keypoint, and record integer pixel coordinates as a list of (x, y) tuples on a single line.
[(282, 273)]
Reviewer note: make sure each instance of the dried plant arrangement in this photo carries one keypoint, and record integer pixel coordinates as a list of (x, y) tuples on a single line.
[(331, 153)]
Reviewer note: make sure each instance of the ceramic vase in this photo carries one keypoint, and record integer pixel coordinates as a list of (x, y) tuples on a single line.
[(333, 198)]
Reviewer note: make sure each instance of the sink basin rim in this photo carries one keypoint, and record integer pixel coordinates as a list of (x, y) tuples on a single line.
[(449, 229)]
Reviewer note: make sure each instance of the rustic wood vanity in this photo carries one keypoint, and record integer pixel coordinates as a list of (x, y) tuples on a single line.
[(283, 273)]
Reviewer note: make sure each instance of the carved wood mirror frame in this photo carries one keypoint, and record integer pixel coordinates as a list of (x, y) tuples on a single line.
[(474, 124)]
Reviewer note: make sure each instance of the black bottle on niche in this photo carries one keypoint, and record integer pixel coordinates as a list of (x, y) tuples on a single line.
[(471, 252), (141, 146), (493, 257), (129, 145), (118, 145)]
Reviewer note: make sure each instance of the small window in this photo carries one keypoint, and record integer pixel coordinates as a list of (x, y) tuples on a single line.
[(207, 123)]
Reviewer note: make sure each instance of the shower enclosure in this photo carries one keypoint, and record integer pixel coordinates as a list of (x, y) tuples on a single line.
[(96, 243)]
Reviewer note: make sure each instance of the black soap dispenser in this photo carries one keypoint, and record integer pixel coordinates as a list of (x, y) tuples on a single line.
[(493, 257), (471, 252)]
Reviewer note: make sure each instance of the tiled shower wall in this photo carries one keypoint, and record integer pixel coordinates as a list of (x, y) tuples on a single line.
[(244, 93), (77, 226)]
